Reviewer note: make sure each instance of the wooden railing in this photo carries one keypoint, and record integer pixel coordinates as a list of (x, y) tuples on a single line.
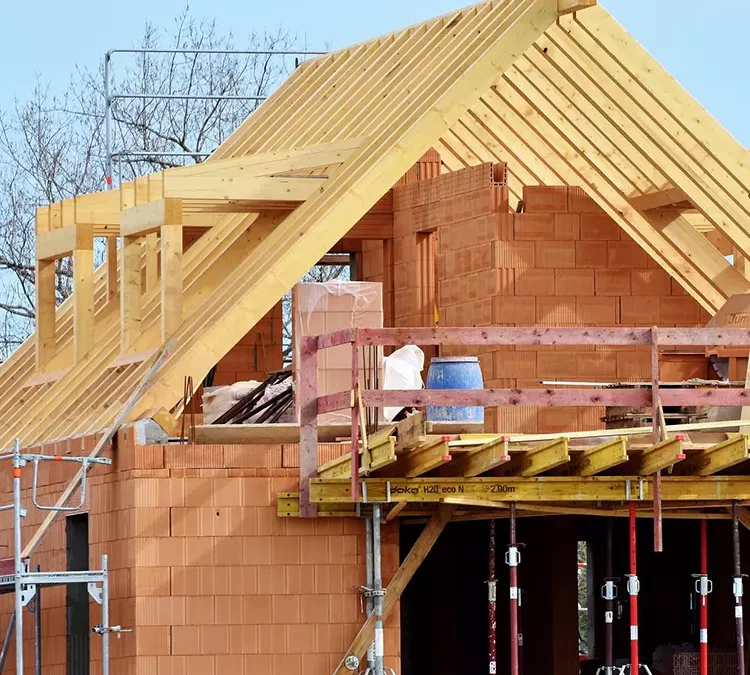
[(312, 405)]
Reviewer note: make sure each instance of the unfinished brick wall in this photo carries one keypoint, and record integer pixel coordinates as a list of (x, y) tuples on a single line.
[(211, 579), (563, 262), (256, 354)]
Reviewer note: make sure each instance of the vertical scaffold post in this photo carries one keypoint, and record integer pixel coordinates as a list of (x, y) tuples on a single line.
[(369, 574), (609, 593), (38, 628), (18, 560), (633, 590), (355, 418), (737, 590), (378, 590), (703, 587), (492, 601), (513, 558), (658, 436)]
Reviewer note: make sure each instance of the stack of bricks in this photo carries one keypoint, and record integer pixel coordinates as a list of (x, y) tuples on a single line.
[(321, 308), (211, 579), (256, 354)]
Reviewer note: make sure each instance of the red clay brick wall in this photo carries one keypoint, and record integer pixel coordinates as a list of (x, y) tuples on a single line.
[(212, 580), (563, 262), (256, 354)]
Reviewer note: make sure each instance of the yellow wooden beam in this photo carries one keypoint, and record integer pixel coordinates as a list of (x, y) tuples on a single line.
[(381, 455), (263, 189), (476, 462), (658, 457), (570, 6), (600, 458), (420, 460), (532, 462), (718, 457), (171, 279), (112, 287), (130, 291), (83, 287), (540, 489), (148, 218), (44, 290), (657, 199), (56, 244)]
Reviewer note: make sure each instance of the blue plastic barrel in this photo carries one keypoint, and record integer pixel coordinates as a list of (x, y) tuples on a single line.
[(455, 372)]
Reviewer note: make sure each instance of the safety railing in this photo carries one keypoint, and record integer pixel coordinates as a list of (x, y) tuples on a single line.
[(356, 399)]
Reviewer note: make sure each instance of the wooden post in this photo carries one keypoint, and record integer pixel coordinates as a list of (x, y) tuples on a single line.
[(83, 287), (112, 288), (45, 312), (657, 436), (171, 278), (308, 422), (152, 257), (400, 580), (130, 291)]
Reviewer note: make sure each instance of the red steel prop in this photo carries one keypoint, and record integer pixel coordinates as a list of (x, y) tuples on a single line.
[(633, 589), (703, 587)]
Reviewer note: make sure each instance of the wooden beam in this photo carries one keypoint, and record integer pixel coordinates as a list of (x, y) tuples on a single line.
[(171, 279), (719, 457), (147, 218), (401, 578), (570, 6), (381, 455), (56, 244), (45, 312), (529, 463), (540, 489), (130, 291), (112, 286), (242, 434), (600, 458), (488, 456), (658, 199), (83, 295), (419, 461), (151, 249), (658, 457), (264, 189)]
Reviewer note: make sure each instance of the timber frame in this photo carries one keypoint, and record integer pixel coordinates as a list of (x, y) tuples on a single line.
[(556, 88)]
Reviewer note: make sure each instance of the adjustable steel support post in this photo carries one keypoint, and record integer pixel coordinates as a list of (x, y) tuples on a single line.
[(369, 574), (513, 558), (492, 601), (703, 588), (634, 588), (18, 562), (737, 590), (378, 590), (38, 628)]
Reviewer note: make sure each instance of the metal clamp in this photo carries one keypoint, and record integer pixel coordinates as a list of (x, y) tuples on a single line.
[(634, 584), (513, 556), (492, 591), (610, 590), (107, 630), (737, 587), (703, 585)]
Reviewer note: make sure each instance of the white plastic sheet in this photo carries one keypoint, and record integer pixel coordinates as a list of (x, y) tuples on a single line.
[(402, 370)]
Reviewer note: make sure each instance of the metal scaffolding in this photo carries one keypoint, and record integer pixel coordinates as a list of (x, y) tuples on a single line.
[(16, 575), (110, 98)]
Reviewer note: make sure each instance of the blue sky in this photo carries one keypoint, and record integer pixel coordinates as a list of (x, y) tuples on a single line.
[(703, 45)]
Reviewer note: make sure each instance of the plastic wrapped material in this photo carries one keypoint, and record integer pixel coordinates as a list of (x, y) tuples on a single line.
[(217, 400), (402, 370), (320, 308)]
